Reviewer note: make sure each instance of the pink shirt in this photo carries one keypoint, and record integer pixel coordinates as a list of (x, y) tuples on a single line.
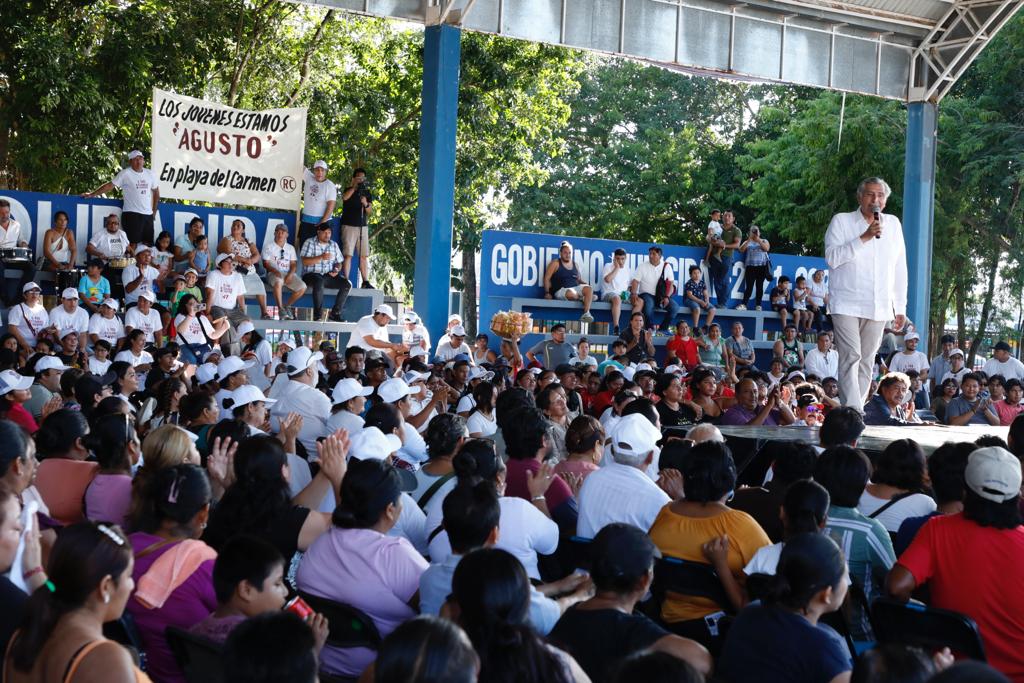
[(1007, 412), (108, 498), (372, 572)]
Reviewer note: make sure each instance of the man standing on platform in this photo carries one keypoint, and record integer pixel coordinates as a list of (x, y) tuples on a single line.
[(867, 285), (318, 200), (719, 257), (356, 206), (11, 237), (140, 189), (645, 292)]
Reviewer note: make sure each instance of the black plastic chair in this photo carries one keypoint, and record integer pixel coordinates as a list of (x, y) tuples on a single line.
[(347, 626), (927, 627), (200, 659), (694, 579)]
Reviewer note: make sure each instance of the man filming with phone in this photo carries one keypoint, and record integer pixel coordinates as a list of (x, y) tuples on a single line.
[(356, 206), (867, 286)]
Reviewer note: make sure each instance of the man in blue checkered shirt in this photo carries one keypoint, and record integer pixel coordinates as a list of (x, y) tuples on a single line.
[(321, 263)]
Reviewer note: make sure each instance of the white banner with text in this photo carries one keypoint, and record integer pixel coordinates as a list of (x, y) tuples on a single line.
[(204, 151)]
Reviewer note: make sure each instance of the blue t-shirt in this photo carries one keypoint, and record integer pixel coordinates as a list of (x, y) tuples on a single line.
[(696, 288), (770, 644), (94, 292)]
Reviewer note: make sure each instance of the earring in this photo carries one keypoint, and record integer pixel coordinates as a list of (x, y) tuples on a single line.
[(106, 598)]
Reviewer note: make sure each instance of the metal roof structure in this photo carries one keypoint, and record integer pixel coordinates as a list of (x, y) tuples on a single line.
[(908, 50)]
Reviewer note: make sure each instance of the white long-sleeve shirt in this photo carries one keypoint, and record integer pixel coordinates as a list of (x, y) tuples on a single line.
[(866, 279)]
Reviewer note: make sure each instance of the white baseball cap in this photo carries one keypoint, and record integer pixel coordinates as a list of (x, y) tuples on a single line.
[(207, 372), (956, 352), (191, 270), (392, 390), (245, 328), (148, 296), (454, 318), (50, 363), (911, 336), (231, 365), (285, 341), (110, 303), (410, 317), (347, 389), (634, 435), (29, 286), (69, 293), (372, 444), (457, 331), (134, 153), (320, 163), (67, 331), (643, 366), (994, 474), (221, 258), (246, 394), (302, 358), (412, 377), (141, 248), (628, 373), (386, 310), (211, 353), (478, 372), (675, 370), (11, 381), (417, 351)]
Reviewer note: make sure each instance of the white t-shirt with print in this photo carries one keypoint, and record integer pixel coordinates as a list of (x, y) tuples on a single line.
[(193, 334), (137, 188), (282, 257), (130, 273), (368, 327), (226, 288), (147, 323), (317, 194), (29, 320), (62, 320), (109, 329), (111, 245)]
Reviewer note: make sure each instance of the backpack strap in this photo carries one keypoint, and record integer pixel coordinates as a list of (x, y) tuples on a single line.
[(434, 488), (892, 501)]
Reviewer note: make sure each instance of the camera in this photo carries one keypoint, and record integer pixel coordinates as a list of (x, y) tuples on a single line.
[(363, 190)]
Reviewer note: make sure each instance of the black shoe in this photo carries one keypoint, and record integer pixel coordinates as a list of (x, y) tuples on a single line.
[(335, 317), (615, 330), (367, 285)]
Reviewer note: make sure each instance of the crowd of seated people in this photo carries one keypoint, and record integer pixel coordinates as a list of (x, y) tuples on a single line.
[(510, 517)]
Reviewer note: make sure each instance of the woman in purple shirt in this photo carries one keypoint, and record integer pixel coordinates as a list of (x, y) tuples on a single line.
[(173, 571), (358, 564)]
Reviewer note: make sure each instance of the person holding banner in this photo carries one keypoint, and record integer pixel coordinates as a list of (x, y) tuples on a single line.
[(140, 189), (319, 198)]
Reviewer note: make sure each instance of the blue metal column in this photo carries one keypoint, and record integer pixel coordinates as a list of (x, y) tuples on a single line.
[(919, 209), (436, 209)]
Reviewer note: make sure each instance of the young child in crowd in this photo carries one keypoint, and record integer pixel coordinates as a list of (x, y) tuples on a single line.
[(199, 258), (99, 361), (800, 312), (779, 296)]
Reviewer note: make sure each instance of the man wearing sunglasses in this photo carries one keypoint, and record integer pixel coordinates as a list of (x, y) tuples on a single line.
[(280, 261)]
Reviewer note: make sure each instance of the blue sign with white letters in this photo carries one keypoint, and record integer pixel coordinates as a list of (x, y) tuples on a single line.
[(35, 211), (512, 266)]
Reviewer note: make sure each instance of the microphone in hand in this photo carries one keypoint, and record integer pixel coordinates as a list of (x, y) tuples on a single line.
[(876, 211)]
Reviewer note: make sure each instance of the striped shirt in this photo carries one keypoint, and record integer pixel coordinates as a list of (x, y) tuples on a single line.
[(869, 555), (314, 247)]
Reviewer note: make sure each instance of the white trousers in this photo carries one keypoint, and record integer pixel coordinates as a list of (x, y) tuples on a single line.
[(857, 342)]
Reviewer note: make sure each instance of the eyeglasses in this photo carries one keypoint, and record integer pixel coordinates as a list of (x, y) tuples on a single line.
[(282, 254)]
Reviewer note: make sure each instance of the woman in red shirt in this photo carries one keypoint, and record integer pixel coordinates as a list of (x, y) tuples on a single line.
[(610, 385), (682, 348)]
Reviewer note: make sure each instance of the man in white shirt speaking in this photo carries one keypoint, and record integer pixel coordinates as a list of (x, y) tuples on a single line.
[(621, 491), (867, 262)]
